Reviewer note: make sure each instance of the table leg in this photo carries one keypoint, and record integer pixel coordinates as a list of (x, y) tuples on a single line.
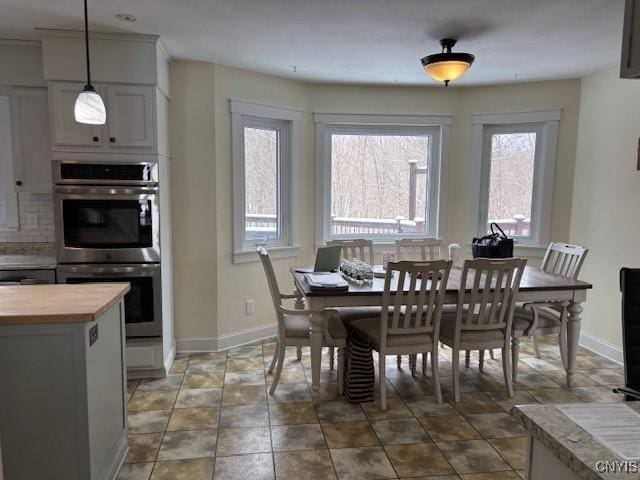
[(573, 336), (316, 353)]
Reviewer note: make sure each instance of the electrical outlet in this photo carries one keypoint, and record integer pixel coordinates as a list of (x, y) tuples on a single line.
[(249, 306), (30, 221)]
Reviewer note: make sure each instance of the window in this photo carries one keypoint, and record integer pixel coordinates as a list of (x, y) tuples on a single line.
[(516, 155), (8, 199), (264, 144), (379, 178)]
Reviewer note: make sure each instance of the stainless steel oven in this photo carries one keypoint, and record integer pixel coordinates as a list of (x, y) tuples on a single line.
[(104, 224), (143, 303)]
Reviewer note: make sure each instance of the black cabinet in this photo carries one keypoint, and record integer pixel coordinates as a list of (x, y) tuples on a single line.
[(630, 62)]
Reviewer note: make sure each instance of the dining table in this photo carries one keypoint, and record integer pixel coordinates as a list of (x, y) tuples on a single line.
[(535, 286)]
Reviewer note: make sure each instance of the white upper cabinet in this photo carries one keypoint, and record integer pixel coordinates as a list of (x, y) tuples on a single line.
[(130, 116), (130, 126), (30, 138), (66, 132)]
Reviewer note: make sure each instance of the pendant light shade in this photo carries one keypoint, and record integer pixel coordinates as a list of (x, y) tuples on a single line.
[(89, 107), (447, 66)]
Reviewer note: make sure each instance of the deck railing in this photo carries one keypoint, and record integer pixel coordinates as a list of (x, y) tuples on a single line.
[(263, 223)]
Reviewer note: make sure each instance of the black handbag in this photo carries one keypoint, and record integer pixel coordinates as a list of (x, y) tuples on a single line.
[(494, 245)]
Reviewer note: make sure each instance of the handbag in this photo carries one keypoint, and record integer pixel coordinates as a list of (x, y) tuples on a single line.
[(494, 245)]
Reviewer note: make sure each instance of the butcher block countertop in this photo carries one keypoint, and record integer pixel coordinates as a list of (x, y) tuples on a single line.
[(58, 303)]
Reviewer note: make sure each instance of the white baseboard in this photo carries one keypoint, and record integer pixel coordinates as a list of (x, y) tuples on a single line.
[(602, 347), (170, 356), (224, 342)]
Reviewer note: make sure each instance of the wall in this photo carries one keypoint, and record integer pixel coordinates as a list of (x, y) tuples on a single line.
[(39, 204), (22, 66), (193, 185), (606, 195), (202, 169), (242, 281)]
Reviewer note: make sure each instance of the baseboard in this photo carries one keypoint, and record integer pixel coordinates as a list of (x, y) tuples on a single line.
[(224, 342), (602, 347), (170, 356)]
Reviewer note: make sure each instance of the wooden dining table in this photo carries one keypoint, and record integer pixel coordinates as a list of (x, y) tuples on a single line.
[(535, 286)]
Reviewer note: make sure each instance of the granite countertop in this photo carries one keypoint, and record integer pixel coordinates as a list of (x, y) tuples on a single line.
[(27, 256), (27, 262), (572, 445), (61, 303)]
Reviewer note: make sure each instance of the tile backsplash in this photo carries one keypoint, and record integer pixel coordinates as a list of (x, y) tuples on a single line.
[(35, 212)]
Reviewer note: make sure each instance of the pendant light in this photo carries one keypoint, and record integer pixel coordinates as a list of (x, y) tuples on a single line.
[(447, 66), (89, 107)]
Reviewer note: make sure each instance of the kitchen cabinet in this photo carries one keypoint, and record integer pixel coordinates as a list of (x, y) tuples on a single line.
[(630, 62), (66, 132), (130, 119), (130, 116), (30, 138)]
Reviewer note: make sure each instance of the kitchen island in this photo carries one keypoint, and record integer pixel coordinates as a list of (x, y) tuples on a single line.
[(561, 449), (62, 368)]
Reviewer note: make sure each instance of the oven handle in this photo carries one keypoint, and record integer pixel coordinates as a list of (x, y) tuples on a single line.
[(112, 190), (107, 270)]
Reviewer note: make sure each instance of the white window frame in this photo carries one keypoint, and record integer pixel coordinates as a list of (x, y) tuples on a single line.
[(438, 126), (545, 124), (8, 196), (286, 121)]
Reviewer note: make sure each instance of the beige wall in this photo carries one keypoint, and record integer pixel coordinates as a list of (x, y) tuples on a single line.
[(606, 195), (235, 283), (194, 203)]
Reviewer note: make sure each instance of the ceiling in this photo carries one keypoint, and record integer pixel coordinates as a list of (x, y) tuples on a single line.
[(357, 41)]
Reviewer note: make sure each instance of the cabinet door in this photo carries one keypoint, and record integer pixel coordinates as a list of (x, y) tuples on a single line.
[(130, 116), (30, 132), (65, 130)]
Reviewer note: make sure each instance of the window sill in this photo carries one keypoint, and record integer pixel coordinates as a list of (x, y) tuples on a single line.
[(248, 256)]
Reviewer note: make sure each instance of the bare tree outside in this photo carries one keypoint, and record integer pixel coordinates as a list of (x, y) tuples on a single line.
[(511, 181), (370, 183), (261, 182), (371, 178)]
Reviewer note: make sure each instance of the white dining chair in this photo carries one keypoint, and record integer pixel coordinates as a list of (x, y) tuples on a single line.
[(409, 323), (294, 326), (483, 316), (425, 248), (362, 249), (548, 318)]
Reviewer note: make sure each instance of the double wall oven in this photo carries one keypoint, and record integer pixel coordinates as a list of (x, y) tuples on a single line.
[(108, 230)]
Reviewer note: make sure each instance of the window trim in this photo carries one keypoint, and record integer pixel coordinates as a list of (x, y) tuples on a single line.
[(328, 123), (545, 123), (287, 122)]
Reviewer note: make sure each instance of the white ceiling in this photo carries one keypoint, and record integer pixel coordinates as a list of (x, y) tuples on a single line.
[(361, 41)]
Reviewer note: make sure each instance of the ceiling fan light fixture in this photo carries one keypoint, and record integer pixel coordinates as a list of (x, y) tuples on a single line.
[(447, 65)]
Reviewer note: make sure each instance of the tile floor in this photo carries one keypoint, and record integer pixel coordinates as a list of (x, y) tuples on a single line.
[(213, 418)]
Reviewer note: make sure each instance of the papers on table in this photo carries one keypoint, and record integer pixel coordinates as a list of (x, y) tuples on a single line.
[(616, 426), (326, 281)]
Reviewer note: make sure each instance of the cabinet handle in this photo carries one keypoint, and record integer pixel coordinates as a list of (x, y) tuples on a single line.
[(19, 183), (112, 139), (96, 139)]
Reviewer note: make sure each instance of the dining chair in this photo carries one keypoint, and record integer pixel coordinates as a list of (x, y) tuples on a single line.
[(362, 249), (483, 316), (426, 248), (409, 323), (548, 318), (294, 326)]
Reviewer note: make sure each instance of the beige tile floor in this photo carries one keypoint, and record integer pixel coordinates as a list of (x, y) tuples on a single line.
[(213, 418)]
